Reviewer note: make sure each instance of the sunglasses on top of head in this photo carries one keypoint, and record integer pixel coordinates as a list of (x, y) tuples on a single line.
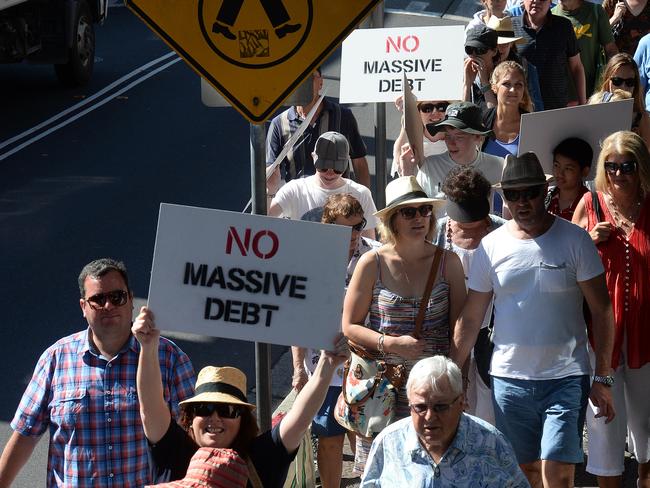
[(325, 170), (618, 81), (116, 297), (475, 51), (224, 410), (626, 167), (427, 108), (410, 212), (529, 193)]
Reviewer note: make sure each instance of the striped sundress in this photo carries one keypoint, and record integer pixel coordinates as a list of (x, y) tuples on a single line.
[(395, 315)]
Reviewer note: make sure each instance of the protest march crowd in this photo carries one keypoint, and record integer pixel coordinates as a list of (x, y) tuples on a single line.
[(492, 311)]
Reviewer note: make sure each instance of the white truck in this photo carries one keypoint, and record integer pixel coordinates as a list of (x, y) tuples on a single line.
[(58, 32)]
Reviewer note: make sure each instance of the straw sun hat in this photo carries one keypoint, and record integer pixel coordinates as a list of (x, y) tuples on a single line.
[(220, 385), (405, 191)]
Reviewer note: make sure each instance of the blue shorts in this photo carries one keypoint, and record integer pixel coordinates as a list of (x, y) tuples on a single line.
[(324, 423), (542, 419)]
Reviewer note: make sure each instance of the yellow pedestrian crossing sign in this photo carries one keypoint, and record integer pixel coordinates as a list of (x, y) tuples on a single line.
[(254, 52)]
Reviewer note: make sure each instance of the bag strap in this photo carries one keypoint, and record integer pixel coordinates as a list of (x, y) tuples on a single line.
[(596, 204), (427, 292), (253, 477)]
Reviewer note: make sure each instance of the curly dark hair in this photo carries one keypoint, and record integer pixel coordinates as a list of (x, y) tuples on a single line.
[(248, 429), (464, 183)]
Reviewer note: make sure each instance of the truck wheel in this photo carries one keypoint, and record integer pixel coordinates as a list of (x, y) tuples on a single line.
[(81, 56)]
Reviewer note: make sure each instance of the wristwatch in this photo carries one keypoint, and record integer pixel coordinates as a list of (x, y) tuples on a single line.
[(605, 380)]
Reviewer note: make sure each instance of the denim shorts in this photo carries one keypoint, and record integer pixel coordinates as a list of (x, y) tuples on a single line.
[(542, 419), (324, 423)]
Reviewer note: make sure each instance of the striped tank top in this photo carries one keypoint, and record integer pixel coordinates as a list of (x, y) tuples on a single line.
[(395, 315)]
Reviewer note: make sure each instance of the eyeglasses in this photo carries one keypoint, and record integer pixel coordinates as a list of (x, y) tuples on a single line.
[(421, 408), (618, 81), (475, 51), (427, 108), (626, 167), (116, 297), (224, 410), (325, 170), (360, 226), (528, 193), (410, 212)]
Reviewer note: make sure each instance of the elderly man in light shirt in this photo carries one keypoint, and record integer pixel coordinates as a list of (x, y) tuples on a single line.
[(439, 445)]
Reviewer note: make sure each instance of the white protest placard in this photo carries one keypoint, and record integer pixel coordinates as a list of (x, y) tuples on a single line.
[(374, 62), (541, 132), (249, 277)]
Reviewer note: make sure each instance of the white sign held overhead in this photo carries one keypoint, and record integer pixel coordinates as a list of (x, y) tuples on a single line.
[(374, 62), (248, 277), (541, 132)]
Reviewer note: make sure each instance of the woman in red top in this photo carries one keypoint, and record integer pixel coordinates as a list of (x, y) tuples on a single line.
[(622, 235)]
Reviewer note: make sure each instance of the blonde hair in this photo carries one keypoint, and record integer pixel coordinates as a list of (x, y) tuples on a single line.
[(626, 143), (617, 96), (504, 68), (618, 61)]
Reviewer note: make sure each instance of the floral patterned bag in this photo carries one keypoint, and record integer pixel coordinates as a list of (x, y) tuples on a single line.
[(367, 402)]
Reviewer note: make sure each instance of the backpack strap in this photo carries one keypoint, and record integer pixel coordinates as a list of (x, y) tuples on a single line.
[(286, 135)]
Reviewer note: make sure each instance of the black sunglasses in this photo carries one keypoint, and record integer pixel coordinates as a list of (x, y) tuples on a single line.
[(410, 212), (618, 81), (360, 226), (626, 167), (325, 170), (224, 410), (427, 108), (475, 51), (527, 193), (116, 297), (421, 408)]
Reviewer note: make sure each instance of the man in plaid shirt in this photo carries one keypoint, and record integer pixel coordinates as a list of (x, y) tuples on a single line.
[(83, 389)]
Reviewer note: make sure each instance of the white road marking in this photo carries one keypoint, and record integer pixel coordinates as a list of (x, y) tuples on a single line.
[(84, 102)]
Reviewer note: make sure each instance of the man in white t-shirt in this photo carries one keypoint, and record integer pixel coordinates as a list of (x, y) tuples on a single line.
[(539, 268), (331, 157), (464, 132)]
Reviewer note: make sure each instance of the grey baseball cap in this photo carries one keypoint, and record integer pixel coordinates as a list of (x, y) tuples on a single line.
[(332, 151)]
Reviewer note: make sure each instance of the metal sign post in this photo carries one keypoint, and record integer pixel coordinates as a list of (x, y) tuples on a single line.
[(381, 179), (262, 351)]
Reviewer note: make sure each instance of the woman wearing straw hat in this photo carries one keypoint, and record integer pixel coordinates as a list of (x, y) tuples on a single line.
[(219, 415), (389, 283)]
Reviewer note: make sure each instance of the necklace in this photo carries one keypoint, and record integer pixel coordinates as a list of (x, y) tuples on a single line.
[(624, 221), (478, 235)]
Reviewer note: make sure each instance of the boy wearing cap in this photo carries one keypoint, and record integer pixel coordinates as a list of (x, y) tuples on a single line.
[(538, 268), (464, 134), (481, 50), (331, 158)]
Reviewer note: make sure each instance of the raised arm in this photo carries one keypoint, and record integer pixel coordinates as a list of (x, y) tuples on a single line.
[(294, 425), (154, 411)]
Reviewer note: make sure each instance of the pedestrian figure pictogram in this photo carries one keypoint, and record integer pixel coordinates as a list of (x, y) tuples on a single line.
[(274, 9)]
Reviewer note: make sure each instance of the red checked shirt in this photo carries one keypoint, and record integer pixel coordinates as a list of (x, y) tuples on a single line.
[(91, 407)]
